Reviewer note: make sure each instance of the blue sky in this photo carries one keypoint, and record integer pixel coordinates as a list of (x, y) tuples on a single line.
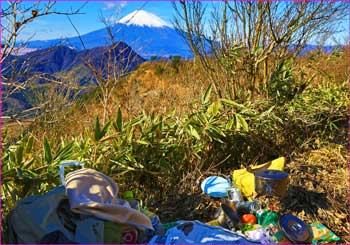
[(58, 26)]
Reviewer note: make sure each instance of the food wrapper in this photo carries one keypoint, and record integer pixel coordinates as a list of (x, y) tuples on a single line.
[(276, 234), (322, 234)]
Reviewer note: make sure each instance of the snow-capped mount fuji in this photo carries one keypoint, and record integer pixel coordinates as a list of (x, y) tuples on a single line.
[(147, 34), (143, 18)]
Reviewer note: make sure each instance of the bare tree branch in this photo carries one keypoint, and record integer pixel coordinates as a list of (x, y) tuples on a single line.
[(17, 74), (258, 34)]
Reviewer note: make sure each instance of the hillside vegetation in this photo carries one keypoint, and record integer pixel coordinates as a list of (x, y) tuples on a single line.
[(167, 130)]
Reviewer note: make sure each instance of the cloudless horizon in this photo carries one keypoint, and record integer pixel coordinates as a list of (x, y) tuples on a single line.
[(58, 26)]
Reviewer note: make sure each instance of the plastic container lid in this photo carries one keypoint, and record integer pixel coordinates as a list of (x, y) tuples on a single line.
[(215, 186), (295, 229), (271, 174)]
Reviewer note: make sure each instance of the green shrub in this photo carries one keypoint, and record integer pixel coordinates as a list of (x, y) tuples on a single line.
[(175, 62), (154, 58), (159, 70), (154, 152), (283, 85)]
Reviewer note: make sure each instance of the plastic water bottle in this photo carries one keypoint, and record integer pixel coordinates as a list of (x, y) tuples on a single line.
[(233, 193)]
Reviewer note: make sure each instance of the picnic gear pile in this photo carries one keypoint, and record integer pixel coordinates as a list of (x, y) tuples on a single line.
[(87, 209)]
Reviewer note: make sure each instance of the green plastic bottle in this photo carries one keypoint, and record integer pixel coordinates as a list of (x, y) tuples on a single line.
[(266, 217)]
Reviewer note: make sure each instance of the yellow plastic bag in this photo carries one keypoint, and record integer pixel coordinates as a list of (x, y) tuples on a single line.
[(244, 180)]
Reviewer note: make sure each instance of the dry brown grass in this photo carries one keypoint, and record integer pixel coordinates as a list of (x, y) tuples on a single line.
[(326, 68), (318, 193), (148, 91), (143, 91)]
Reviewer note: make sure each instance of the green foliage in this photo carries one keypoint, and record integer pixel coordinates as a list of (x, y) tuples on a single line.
[(151, 146), (98, 132), (159, 70), (206, 96), (283, 85), (47, 151), (231, 57), (154, 58), (175, 62), (320, 113), (118, 124)]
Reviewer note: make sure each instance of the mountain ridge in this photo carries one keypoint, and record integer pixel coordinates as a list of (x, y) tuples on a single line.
[(54, 63), (145, 33), (148, 36)]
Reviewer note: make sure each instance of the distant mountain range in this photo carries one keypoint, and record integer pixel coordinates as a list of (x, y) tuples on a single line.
[(144, 32), (63, 59), (139, 36), (60, 61), (328, 49)]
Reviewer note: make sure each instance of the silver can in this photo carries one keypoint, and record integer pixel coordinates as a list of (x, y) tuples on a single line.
[(234, 194)]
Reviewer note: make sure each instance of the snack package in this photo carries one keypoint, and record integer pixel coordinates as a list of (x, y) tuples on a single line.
[(322, 234)]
